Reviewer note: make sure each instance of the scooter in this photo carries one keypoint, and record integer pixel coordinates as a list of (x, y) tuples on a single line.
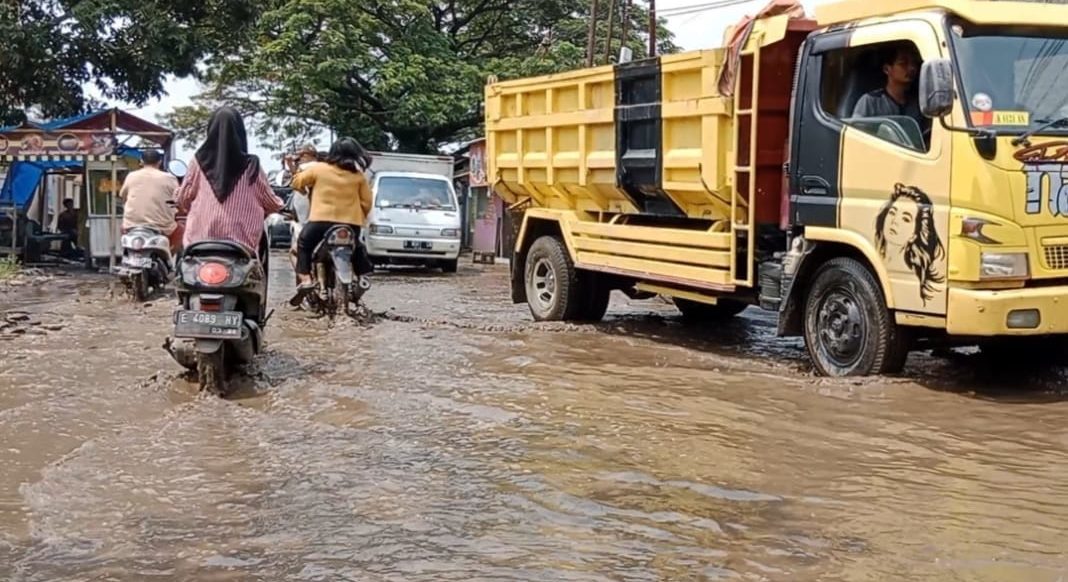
[(338, 288), (146, 262), (222, 291)]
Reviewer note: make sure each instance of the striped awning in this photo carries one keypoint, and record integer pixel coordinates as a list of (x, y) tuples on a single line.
[(57, 158)]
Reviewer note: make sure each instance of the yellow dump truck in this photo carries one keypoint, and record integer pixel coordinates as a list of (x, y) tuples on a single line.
[(751, 175)]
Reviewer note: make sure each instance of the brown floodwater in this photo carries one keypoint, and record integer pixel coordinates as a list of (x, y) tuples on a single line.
[(454, 439)]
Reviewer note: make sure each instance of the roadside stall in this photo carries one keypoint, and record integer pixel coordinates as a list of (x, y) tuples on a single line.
[(94, 152)]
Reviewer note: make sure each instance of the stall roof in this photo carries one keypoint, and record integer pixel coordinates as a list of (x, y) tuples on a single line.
[(101, 120)]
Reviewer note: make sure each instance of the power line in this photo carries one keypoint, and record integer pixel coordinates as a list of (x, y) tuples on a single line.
[(703, 7)]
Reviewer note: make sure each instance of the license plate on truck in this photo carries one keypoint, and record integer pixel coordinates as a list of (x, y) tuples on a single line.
[(418, 245), (209, 325)]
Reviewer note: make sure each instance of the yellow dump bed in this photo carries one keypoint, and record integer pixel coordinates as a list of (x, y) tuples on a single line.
[(654, 137)]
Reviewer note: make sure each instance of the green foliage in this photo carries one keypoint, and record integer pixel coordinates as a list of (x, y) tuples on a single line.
[(125, 47), (402, 74), (9, 267)]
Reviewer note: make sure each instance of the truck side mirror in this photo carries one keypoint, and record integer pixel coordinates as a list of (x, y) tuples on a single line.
[(936, 88)]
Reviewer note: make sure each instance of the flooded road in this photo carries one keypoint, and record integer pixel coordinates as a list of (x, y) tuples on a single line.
[(454, 439)]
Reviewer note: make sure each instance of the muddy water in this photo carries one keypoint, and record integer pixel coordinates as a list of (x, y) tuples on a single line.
[(455, 440)]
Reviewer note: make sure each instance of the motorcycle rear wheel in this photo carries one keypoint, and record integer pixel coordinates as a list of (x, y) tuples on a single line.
[(140, 286), (211, 372)]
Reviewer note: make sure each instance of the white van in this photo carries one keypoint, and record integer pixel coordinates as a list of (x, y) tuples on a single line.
[(415, 218)]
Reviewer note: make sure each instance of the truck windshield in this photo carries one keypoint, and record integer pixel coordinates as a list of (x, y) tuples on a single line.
[(402, 192), (1014, 79)]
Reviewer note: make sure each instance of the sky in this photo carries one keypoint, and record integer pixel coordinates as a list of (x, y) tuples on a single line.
[(693, 31)]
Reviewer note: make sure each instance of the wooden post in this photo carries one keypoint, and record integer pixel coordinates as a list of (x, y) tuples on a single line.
[(611, 25), (653, 28), (112, 239)]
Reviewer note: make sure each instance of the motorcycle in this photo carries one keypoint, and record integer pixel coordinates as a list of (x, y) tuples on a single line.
[(222, 291), (337, 287), (147, 263)]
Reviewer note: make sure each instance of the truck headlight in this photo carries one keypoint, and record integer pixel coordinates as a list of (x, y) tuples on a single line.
[(450, 232), (1003, 266), (381, 229)]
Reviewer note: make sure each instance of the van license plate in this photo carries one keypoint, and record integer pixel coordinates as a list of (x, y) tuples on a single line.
[(418, 245)]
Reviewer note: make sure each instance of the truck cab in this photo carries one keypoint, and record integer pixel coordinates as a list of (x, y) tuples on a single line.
[(780, 171)]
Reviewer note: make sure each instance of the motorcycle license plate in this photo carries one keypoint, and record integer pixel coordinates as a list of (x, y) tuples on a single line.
[(209, 325), (137, 261), (418, 245)]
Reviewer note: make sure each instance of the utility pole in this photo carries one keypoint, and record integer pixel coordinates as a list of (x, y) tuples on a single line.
[(611, 25), (591, 38), (625, 24), (652, 28)]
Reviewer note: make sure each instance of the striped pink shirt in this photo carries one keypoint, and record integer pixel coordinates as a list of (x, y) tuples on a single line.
[(239, 219)]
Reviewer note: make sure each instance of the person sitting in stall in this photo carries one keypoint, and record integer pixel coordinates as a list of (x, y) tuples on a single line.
[(67, 225), (148, 199)]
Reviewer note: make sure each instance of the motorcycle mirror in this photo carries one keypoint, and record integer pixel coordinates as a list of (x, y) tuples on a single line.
[(178, 168)]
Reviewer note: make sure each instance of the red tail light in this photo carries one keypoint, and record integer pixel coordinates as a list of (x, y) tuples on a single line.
[(343, 234), (213, 273), (205, 306)]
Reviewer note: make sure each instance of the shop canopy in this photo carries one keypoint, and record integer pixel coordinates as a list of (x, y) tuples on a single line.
[(35, 148)]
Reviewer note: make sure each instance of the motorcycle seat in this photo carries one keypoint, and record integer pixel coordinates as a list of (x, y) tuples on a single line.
[(218, 247)]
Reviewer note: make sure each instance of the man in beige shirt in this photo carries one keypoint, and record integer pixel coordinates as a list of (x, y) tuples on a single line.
[(148, 198)]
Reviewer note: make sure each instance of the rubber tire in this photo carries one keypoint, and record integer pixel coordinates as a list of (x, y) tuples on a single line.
[(567, 303), (450, 266), (695, 311), (594, 297), (339, 298), (885, 346), (140, 287), (211, 372)]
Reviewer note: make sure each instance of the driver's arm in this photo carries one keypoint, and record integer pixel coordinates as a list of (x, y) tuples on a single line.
[(865, 106)]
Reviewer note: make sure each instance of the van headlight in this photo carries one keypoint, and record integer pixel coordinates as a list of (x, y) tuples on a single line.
[(450, 232), (1003, 266), (381, 229)]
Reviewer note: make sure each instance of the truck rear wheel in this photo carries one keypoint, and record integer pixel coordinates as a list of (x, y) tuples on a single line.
[(552, 281), (595, 296), (696, 311), (848, 329)]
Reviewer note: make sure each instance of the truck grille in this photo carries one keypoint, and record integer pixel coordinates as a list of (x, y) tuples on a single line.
[(1056, 257)]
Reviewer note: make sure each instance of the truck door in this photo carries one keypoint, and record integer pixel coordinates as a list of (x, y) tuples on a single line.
[(875, 177)]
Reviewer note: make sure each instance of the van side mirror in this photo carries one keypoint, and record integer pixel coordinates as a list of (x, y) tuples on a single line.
[(936, 88)]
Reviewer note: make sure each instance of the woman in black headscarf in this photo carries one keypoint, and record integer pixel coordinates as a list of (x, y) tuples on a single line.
[(226, 192)]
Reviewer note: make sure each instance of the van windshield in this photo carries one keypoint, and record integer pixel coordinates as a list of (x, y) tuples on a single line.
[(402, 192), (1013, 78)]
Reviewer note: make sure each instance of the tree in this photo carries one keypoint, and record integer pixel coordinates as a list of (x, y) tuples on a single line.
[(125, 47), (404, 74)]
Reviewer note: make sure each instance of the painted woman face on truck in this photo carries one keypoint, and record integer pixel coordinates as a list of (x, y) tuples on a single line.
[(900, 228), (906, 237)]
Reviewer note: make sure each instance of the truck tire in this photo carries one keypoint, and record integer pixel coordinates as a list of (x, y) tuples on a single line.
[(552, 281), (450, 266), (595, 296), (848, 329), (697, 312)]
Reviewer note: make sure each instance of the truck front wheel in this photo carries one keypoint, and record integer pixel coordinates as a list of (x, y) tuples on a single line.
[(551, 281), (848, 329)]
